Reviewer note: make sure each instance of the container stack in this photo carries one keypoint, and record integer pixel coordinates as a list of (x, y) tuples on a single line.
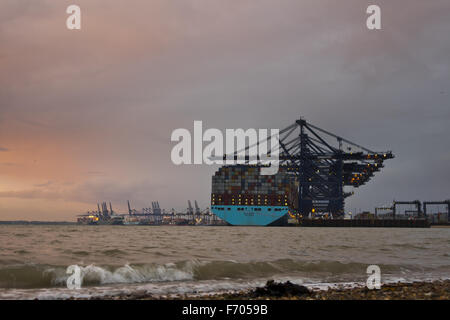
[(244, 185)]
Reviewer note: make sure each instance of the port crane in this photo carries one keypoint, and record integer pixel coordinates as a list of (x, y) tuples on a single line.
[(324, 163), (197, 209), (415, 203), (426, 205)]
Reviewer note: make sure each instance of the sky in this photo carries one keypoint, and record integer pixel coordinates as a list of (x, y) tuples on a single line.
[(87, 115)]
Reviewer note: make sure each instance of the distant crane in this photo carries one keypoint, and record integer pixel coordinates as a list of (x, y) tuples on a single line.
[(197, 209), (415, 203), (190, 210), (129, 207), (156, 208), (383, 208)]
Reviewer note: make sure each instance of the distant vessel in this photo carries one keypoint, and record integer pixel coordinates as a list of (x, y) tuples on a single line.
[(243, 197), (131, 221), (93, 219), (87, 219)]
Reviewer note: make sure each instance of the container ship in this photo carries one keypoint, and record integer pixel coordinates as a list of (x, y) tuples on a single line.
[(243, 197)]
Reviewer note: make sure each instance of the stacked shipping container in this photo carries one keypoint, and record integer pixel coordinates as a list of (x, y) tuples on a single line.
[(244, 185)]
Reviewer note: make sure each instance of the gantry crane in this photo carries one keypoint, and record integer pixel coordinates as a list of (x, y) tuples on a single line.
[(324, 163)]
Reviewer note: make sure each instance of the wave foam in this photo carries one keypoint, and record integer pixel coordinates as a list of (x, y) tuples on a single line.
[(96, 275)]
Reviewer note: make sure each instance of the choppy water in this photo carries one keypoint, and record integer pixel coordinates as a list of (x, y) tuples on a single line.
[(181, 259)]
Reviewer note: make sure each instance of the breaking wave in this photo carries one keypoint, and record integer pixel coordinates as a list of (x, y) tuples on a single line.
[(45, 276)]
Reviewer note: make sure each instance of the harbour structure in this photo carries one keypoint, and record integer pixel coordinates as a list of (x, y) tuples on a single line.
[(147, 216), (153, 215), (441, 214), (157, 216), (435, 212), (400, 214), (321, 164), (101, 216)]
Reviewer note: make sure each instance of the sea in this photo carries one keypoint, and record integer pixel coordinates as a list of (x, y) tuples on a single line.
[(173, 261)]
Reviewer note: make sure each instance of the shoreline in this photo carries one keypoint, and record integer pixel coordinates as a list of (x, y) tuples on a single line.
[(435, 290)]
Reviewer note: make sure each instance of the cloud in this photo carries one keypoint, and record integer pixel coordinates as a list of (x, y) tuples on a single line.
[(8, 164), (96, 173), (97, 107), (3, 149), (46, 184), (31, 194), (90, 192)]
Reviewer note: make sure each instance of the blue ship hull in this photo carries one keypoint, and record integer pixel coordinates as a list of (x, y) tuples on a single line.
[(250, 215)]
